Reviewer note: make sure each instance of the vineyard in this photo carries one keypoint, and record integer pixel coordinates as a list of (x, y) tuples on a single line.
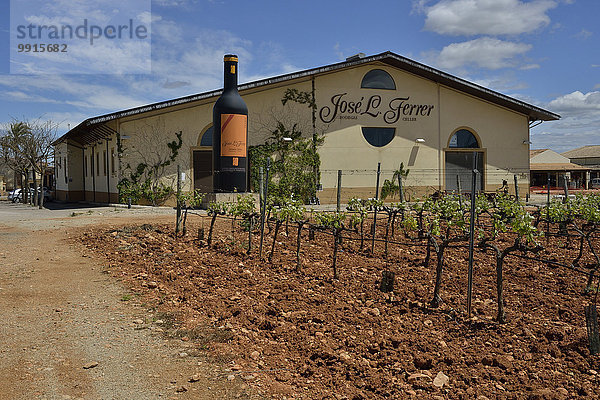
[(371, 302)]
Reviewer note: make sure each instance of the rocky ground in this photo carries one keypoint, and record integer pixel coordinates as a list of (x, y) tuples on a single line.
[(303, 335), (70, 331)]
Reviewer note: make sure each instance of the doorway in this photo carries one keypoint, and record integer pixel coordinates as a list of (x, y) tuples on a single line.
[(459, 167), (203, 171)]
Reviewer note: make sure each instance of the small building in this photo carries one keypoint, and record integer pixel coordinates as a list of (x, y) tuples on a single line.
[(587, 156), (547, 164), (7, 181), (382, 109)]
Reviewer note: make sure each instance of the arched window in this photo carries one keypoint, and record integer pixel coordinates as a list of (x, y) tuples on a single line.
[(378, 79), (207, 138), (462, 148), (463, 139), (378, 137)]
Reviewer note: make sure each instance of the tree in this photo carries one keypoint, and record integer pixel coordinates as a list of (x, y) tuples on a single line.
[(360, 211), (27, 146), (146, 181), (393, 187), (505, 215), (444, 223), (12, 147), (294, 158), (335, 221), (38, 150)]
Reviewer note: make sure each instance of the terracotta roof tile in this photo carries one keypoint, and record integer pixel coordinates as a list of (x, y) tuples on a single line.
[(556, 167), (585, 151)]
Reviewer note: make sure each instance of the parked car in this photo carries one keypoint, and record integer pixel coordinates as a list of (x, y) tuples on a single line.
[(47, 194), (595, 183), (13, 195), (18, 195)]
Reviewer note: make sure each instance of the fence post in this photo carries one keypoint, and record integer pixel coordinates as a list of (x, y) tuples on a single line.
[(339, 190), (459, 190), (548, 211), (566, 188), (178, 217), (591, 322), (516, 187), (400, 188), (261, 185), (387, 281), (471, 235), (264, 209), (375, 210)]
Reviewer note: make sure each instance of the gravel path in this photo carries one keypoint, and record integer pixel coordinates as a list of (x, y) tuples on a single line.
[(67, 331)]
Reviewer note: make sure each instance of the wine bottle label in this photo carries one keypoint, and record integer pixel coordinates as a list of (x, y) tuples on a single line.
[(233, 135)]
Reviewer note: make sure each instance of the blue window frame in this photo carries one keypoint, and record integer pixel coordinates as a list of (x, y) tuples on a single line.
[(378, 79), (207, 138), (378, 137), (463, 139)]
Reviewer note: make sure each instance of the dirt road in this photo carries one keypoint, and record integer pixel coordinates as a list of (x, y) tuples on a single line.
[(69, 331)]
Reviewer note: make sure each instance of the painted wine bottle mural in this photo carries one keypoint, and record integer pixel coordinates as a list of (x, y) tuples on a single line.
[(230, 134)]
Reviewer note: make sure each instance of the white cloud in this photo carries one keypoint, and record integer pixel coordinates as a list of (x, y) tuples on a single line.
[(68, 19), (18, 95), (584, 34), (528, 67), (147, 18), (552, 136), (186, 60), (506, 83), (170, 3), (75, 91), (198, 61), (180, 68), (337, 51), (104, 57), (577, 103), (483, 52), (487, 17), (174, 84), (65, 120), (167, 32), (579, 123)]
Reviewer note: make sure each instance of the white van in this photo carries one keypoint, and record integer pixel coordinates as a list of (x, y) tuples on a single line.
[(595, 183)]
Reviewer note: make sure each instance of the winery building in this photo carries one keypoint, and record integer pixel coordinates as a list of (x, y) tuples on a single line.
[(383, 109), (547, 165)]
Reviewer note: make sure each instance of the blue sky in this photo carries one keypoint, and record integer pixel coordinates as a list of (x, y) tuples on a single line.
[(544, 52)]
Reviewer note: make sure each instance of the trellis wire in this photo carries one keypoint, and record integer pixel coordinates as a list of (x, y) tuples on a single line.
[(421, 242)]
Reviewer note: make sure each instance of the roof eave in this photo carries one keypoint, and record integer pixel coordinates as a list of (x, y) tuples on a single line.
[(534, 113)]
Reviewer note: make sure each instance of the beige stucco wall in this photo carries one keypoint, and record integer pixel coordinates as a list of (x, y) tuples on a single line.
[(68, 174), (437, 113), (149, 133), (99, 179), (549, 156), (503, 134), (60, 152), (346, 149)]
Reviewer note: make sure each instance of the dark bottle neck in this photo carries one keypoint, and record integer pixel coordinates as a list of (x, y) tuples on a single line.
[(230, 78)]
